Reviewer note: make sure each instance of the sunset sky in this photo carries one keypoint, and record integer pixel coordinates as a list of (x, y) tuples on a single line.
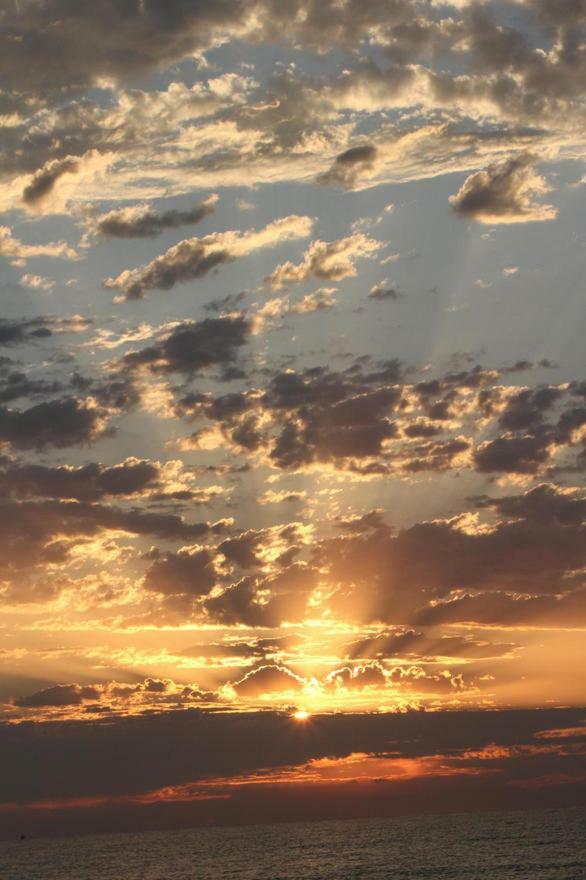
[(292, 408)]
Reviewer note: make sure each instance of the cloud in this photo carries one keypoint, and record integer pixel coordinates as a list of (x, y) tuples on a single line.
[(504, 193), (194, 258), (114, 696), (59, 695), (56, 423), (192, 346), (513, 454), (41, 537), (48, 763), (268, 679), (390, 644), (381, 292), (37, 282), (281, 307), (141, 221), (462, 569), (18, 253), (189, 572), (331, 261), (90, 482), (265, 600), (106, 43), (46, 178), (20, 330), (349, 166)]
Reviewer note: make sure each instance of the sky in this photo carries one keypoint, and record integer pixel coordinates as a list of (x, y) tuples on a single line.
[(292, 409)]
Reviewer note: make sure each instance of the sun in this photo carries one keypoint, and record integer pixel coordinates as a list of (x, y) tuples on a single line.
[(301, 715)]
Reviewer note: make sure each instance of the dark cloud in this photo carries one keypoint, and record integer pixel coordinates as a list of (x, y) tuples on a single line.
[(330, 417), (15, 384), (526, 409), (546, 504), (504, 193), (141, 221), (17, 331), (57, 423), (193, 346), (185, 261), (510, 454), (49, 762), (189, 572), (508, 609), (76, 47), (400, 578), (349, 166), (195, 257), (59, 695), (46, 178), (90, 482), (36, 533)]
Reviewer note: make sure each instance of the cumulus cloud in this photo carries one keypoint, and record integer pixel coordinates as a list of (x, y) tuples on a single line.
[(56, 423), (46, 178), (17, 252), (194, 258), (33, 329), (382, 291), (504, 193), (330, 261), (349, 166), (457, 569), (268, 679), (37, 282), (141, 221), (192, 346), (90, 482), (190, 572)]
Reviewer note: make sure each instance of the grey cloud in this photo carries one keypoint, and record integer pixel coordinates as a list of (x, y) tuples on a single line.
[(189, 572), (49, 762), (504, 193), (57, 423), (349, 165), (142, 221), (59, 45), (544, 504), (193, 346), (59, 695), (16, 331), (90, 482), (186, 261), (400, 578), (46, 178), (514, 454), (37, 532)]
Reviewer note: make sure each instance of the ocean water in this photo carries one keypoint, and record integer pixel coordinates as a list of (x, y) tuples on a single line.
[(549, 845)]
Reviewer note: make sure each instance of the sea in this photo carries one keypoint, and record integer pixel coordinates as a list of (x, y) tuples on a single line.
[(547, 845)]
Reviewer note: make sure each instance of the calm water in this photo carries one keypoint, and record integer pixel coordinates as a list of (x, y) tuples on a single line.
[(497, 846)]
